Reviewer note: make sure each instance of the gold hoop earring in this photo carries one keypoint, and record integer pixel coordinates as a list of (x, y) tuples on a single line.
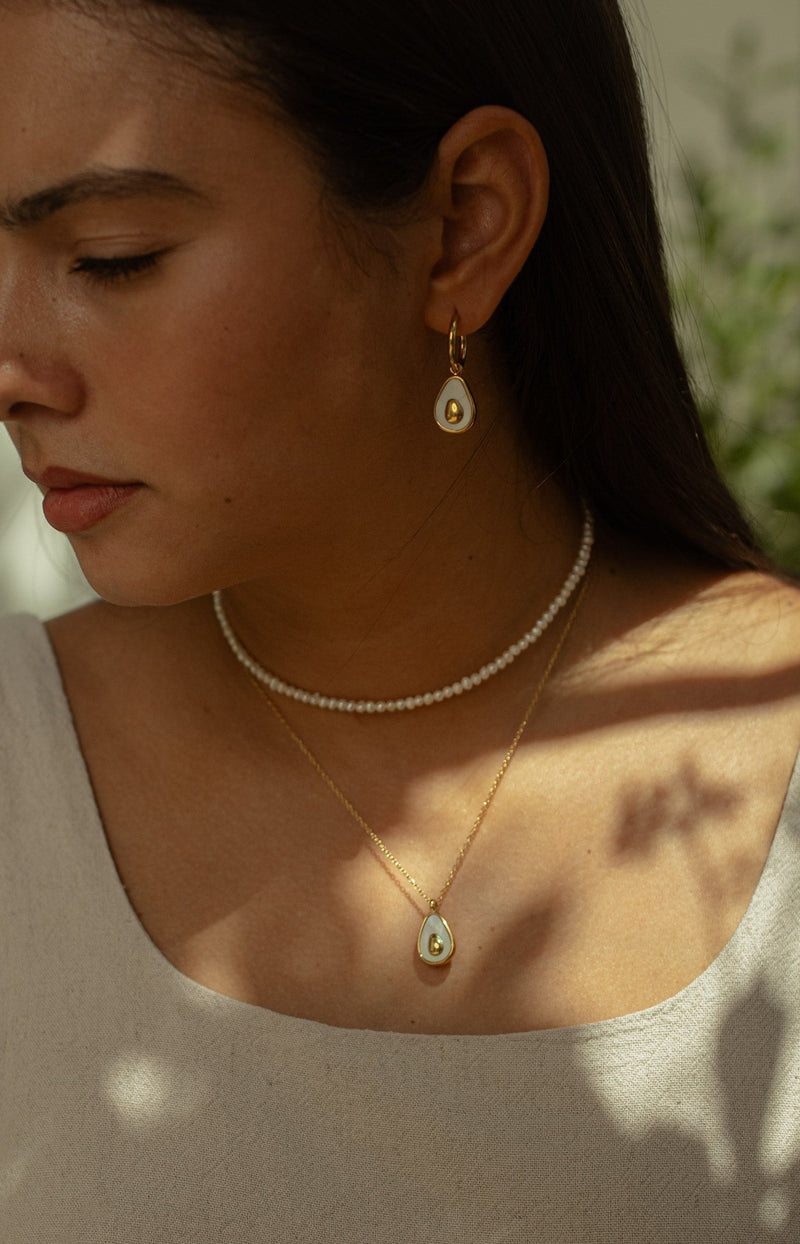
[(454, 410)]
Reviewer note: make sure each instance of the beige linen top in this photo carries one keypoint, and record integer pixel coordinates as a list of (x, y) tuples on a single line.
[(140, 1107)]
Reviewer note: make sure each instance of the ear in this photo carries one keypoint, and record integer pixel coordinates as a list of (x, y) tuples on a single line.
[(490, 193)]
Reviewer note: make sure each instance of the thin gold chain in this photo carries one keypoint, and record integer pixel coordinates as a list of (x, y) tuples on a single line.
[(433, 903)]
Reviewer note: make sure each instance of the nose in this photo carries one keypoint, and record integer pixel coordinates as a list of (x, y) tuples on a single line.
[(32, 383), (36, 375)]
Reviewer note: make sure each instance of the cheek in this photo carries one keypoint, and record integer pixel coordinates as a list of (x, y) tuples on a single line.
[(239, 383), (219, 345)]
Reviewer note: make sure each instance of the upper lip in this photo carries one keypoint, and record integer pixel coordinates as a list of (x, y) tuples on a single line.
[(62, 477)]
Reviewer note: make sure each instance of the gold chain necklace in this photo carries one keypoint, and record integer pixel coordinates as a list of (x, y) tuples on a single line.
[(435, 943)]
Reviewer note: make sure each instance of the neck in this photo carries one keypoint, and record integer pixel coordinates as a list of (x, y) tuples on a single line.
[(414, 600)]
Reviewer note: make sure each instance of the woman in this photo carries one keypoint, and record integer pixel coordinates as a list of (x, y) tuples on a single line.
[(311, 944)]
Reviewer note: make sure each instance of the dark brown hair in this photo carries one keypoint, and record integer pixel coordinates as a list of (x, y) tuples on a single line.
[(585, 332)]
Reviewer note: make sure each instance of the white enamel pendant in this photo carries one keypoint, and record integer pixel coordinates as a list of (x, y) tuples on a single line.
[(455, 406), (435, 944)]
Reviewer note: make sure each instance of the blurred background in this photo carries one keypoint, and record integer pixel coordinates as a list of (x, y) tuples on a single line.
[(721, 80)]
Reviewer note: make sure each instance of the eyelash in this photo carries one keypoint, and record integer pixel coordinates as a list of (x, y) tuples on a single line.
[(113, 270)]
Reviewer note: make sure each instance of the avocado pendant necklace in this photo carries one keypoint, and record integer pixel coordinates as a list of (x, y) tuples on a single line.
[(436, 943)]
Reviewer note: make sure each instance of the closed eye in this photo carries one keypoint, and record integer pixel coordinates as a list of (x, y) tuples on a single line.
[(111, 270)]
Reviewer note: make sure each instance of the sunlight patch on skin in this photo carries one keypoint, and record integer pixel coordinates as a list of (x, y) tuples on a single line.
[(144, 1090)]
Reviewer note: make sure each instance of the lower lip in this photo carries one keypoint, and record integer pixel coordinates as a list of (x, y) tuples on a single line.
[(78, 509)]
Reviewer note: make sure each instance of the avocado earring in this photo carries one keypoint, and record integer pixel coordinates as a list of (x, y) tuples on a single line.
[(455, 406)]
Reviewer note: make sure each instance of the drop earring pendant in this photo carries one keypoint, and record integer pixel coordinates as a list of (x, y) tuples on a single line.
[(454, 410)]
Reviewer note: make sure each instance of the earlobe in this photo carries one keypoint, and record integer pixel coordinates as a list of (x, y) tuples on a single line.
[(491, 190)]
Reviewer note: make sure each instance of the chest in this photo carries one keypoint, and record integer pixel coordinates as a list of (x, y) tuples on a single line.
[(608, 874)]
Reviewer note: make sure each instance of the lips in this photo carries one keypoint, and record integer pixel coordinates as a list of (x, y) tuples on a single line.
[(62, 477), (76, 501)]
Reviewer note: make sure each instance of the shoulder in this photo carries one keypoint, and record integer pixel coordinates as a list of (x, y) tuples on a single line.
[(657, 613), (764, 596), (740, 637), (690, 648), (751, 622)]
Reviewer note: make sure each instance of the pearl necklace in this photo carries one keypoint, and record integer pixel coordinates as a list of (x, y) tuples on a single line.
[(317, 700)]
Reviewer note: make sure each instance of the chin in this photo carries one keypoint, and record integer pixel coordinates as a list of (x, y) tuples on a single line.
[(135, 582)]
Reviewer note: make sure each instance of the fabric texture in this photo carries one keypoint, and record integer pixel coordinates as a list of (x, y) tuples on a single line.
[(140, 1107)]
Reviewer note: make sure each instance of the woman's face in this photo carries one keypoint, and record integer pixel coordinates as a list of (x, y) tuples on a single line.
[(243, 377)]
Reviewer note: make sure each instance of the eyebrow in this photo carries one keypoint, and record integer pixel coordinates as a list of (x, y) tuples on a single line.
[(96, 183)]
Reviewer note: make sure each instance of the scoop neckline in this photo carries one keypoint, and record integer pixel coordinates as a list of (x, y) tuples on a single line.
[(157, 963)]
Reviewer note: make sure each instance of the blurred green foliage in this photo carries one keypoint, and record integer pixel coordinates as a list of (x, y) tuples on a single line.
[(736, 287)]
